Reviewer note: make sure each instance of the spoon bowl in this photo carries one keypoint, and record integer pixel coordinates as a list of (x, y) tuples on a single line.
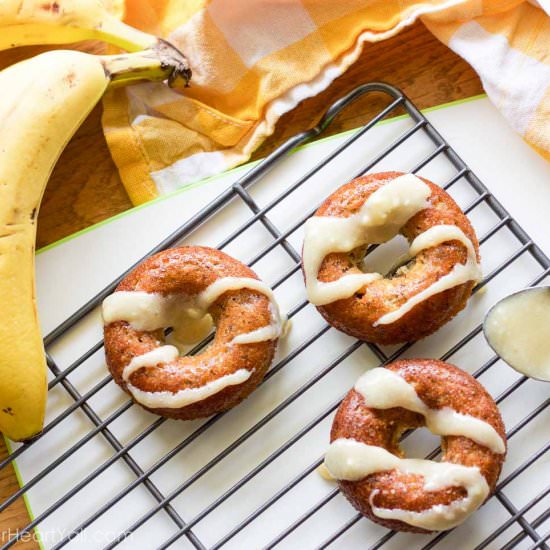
[(517, 328)]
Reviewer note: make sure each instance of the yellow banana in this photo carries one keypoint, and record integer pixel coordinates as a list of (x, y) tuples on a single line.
[(44, 100), (27, 22)]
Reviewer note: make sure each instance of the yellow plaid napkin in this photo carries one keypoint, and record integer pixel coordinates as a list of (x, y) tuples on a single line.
[(254, 60)]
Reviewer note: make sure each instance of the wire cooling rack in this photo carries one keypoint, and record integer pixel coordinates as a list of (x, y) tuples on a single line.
[(512, 517)]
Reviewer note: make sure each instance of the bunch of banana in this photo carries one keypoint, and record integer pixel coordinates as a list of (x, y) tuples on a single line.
[(44, 101)]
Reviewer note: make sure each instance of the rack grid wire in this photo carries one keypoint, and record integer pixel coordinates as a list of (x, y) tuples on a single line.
[(163, 501)]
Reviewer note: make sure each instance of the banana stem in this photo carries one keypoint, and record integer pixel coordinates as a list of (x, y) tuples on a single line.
[(124, 36), (160, 62)]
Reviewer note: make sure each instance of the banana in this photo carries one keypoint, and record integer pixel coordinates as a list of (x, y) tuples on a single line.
[(44, 101), (28, 22)]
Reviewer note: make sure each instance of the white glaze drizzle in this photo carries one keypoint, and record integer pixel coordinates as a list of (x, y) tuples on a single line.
[(378, 220), (384, 389), (322, 470), (461, 273), (188, 314), (269, 332), (347, 459), (157, 356), (182, 398), (169, 354), (144, 310)]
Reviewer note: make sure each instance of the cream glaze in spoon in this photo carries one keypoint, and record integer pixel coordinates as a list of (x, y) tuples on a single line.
[(518, 329)]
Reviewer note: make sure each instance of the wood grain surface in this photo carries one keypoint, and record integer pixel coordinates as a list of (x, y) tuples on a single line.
[(85, 187)]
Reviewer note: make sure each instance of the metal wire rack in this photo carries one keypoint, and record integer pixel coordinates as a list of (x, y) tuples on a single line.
[(162, 500)]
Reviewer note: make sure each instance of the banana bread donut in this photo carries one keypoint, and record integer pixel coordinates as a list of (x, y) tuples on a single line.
[(412, 301), (412, 494), (188, 289)]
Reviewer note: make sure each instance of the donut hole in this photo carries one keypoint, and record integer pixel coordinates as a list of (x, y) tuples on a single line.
[(420, 443), (386, 258), (190, 334)]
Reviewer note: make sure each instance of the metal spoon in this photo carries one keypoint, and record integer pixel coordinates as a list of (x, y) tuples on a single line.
[(519, 300)]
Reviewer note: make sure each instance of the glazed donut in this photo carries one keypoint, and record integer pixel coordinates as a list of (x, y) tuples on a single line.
[(411, 494), (416, 299), (188, 289)]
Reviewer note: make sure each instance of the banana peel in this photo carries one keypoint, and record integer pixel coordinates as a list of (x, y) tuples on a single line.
[(34, 22)]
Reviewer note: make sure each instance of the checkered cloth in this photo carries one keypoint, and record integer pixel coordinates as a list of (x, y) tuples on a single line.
[(254, 60)]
